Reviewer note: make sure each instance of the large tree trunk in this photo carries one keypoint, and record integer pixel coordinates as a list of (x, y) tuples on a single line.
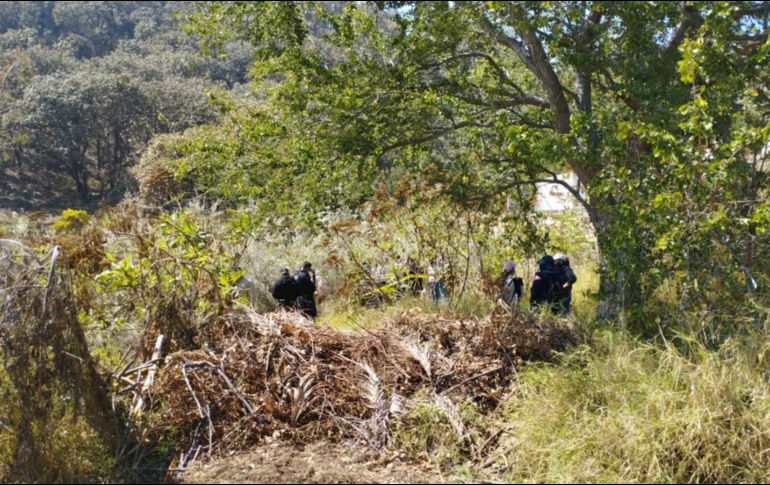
[(619, 286)]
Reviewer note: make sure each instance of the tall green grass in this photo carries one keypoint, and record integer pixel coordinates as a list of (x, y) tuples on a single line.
[(625, 411)]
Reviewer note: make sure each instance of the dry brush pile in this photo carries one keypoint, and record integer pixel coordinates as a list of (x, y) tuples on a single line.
[(281, 376)]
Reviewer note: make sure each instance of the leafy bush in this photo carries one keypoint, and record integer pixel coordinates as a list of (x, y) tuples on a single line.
[(71, 219), (173, 279)]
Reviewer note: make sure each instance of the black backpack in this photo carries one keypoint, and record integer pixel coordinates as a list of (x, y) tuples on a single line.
[(553, 281)]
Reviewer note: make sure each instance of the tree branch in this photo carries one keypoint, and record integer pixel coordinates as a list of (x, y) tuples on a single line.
[(512, 102), (572, 190), (554, 179), (510, 42), (501, 74), (691, 20), (613, 86), (755, 11), (430, 137)]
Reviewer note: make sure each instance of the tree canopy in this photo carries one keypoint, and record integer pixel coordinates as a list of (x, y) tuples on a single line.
[(660, 108)]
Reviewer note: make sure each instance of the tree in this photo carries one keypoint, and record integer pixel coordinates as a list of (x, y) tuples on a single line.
[(489, 96), (84, 127), (131, 49)]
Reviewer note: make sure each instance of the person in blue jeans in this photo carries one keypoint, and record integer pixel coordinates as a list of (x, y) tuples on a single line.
[(439, 292), (436, 281)]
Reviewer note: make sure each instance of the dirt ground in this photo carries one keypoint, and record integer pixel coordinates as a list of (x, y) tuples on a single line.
[(312, 463)]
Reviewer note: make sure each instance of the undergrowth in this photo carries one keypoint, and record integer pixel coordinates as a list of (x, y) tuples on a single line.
[(625, 411), (619, 409)]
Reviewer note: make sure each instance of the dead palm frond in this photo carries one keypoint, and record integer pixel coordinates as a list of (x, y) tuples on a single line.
[(452, 413), (302, 397), (421, 355)]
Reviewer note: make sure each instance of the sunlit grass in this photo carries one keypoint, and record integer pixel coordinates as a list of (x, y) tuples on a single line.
[(625, 411), (350, 317)]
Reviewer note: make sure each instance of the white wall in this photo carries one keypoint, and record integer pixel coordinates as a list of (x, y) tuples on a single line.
[(555, 198)]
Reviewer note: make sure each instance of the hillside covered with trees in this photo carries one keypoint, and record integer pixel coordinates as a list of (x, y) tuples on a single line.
[(280, 241), (85, 85)]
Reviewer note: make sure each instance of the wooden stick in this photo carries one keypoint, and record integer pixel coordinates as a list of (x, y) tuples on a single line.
[(127, 388), (141, 367), (479, 376), (189, 386), (204, 363), (488, 441), (122, 360), (139, 407), (128, 365), (54, 257)]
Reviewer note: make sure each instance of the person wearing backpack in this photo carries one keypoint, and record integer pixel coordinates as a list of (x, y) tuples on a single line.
[(286, 290), (546, 288), (306, 287), (569, 279), (512, 287)]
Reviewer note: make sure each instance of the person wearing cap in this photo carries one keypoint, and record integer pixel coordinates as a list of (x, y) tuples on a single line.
[(568, 280), (546, 288), (306, 290), (286, 290), (512, 287)]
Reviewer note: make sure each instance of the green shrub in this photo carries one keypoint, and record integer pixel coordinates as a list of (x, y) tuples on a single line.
[(71, 219), (426, 434)]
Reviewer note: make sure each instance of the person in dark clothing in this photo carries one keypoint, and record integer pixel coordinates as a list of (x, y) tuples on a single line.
[(546, 286), (569, 278), (286, 290), (306, 290)]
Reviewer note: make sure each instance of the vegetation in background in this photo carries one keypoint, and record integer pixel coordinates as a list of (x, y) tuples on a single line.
[(84, 85), (659, 109)]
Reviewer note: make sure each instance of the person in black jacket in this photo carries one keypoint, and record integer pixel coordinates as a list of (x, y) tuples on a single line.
[(306, 290), (546, 286), (569, 278), (286, 290)]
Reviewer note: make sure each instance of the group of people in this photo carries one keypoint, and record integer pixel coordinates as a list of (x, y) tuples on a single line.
[(297, 292), (551, 287)]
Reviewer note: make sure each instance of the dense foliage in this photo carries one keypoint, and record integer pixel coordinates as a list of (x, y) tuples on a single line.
[(659, 108)]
